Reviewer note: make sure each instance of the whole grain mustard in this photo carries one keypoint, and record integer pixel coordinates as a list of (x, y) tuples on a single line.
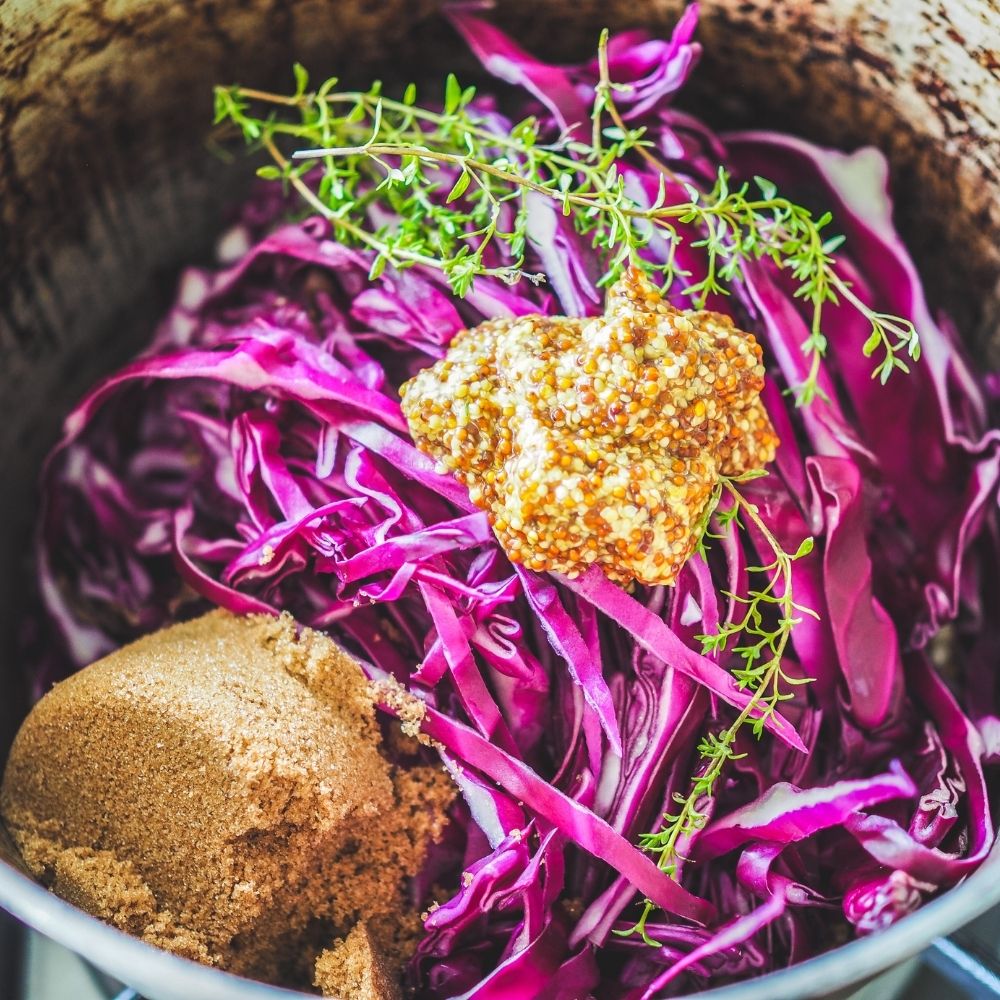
[(596, 441)]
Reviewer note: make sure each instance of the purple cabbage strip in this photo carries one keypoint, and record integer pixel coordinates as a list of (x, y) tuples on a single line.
[(260, 358), (872, 904), (506, 60), (651, 71), (577, 823), (423, 544), (733, 933), (572, 272), (476, 698), (221, 595), (653, 634), (863, 634), (566, 640), (892, 845), (785, 814)]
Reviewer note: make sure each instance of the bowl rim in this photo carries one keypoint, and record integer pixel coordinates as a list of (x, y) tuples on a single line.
[(152, 971)]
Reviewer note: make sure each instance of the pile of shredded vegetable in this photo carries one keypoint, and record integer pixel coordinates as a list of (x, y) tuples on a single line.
[(256, 457)]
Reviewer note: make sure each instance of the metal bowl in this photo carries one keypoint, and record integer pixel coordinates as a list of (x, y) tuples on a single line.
[(107, 187)]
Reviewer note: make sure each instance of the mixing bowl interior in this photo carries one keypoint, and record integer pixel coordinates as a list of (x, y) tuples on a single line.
[(109, 185)]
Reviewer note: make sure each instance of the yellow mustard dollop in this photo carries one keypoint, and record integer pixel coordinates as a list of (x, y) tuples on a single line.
[(597, 441)]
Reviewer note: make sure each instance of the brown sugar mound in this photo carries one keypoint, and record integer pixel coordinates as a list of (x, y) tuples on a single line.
[(354, 969), (217, 788)]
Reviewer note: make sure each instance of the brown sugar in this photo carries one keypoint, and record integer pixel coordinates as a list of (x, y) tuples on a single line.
[(355, 969), (597, 441), (98, 882), (218, 789)]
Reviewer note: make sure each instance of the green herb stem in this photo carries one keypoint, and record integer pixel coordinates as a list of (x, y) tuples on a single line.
[(358, 233), (762, 674), (448, 175)]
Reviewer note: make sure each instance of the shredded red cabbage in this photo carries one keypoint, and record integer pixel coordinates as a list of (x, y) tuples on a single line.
[(255, 457)]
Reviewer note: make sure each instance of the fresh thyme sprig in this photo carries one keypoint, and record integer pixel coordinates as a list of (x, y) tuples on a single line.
[(458, 183), (764, 641)]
